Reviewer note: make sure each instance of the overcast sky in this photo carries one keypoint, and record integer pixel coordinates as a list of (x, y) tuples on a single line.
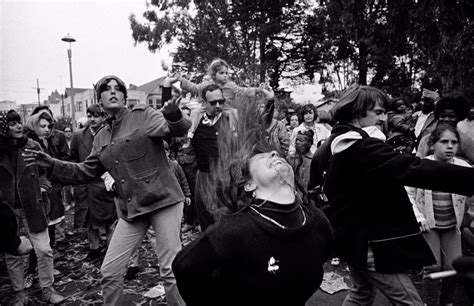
[(31, 46)]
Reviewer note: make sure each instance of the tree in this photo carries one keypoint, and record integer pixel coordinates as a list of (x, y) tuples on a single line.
[(443, 35), (258, 38)]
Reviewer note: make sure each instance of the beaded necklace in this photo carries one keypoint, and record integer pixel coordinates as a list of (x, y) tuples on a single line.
[(274, 221)]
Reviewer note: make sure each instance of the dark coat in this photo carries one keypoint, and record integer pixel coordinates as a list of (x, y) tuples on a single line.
[(59, 141), (368, 204), (8, 228), (101, 205), (56, 207), (26, 181)]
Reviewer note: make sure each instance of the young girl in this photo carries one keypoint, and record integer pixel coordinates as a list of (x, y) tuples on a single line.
[(218, 72), (440, 215)]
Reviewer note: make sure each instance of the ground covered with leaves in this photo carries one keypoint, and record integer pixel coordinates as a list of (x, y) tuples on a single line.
[(79, 278)]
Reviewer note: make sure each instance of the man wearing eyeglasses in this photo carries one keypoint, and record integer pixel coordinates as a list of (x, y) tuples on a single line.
[(204, 137)]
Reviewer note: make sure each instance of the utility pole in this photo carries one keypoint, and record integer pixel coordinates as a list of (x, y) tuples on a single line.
[(62, 107), (38, 90)]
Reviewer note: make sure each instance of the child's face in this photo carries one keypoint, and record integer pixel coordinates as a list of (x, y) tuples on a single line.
[(446, 147), (222, 75), (302, 144)]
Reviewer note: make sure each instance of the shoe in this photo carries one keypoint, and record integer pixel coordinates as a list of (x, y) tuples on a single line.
[(56, 272), (20, 299), (29, 280), (187, 227), (132, 273), (94, 254), (61, 245), (50, 295)]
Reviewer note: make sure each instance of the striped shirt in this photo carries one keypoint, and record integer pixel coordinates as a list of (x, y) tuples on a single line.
[(443, 210)]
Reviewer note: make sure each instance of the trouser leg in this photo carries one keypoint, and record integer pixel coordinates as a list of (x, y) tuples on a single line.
[(125, 240), (167, 224)]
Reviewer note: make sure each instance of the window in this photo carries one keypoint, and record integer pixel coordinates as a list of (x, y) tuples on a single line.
[(150, 102), (79, 107)]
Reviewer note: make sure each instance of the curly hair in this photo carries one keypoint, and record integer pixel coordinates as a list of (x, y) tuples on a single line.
[(458, 103)]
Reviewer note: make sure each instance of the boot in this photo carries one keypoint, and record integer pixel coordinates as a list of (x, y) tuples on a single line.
[(50, 295)]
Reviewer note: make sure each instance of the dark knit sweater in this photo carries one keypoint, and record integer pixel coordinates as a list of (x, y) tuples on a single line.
[(246, 260), (204, 143)]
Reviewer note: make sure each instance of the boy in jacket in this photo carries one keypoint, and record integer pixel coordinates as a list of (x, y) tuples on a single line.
[(375, 229)]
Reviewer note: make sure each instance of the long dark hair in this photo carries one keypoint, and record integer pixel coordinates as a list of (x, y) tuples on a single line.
[(236, 147)]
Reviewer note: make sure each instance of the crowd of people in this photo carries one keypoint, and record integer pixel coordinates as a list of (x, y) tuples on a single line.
[(383, 186)]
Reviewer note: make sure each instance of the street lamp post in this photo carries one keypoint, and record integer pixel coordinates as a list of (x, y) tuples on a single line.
[(69, 39)]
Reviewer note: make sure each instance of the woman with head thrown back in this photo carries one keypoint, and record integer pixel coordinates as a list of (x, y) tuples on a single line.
[(268, 247)]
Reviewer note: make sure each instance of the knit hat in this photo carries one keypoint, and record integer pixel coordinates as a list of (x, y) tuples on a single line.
[(5, 118), (99, 86)]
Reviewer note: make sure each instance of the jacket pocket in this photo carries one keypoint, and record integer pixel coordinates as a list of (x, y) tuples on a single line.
[(150, 186), (132, 146)]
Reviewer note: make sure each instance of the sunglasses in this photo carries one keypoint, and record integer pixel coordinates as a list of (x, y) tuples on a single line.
[(214, 102)]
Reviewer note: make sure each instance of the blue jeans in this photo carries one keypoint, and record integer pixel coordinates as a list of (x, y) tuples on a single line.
[(397, 287), (127, 238), (40, 242)]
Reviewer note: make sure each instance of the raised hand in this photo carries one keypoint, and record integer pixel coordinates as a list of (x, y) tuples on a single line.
[(434, 95), (170, 109), (267, 91), (171, 79)]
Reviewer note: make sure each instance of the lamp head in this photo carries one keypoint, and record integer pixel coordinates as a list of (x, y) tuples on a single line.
[(68, 38)]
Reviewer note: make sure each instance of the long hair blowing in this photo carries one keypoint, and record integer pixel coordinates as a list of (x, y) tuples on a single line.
[(236, 147)]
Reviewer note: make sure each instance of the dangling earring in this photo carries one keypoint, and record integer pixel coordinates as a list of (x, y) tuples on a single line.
[(254, 194)]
